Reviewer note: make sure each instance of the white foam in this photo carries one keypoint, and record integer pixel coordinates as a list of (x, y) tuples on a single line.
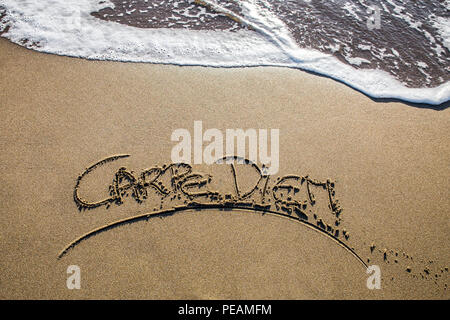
[(442, 24), (356, 61), (65, 27), (351, 9)]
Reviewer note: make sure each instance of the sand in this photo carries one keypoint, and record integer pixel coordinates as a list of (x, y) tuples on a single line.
[(60, 115)]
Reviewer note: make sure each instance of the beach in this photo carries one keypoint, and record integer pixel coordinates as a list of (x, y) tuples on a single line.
[(60, 115)]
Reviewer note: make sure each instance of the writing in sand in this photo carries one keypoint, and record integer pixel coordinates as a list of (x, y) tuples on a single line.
[(178, 187)]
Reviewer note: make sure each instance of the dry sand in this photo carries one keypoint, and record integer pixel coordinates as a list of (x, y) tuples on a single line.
[(60, 115)]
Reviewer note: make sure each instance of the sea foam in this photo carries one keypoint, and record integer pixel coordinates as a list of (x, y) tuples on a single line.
[(66, 27)]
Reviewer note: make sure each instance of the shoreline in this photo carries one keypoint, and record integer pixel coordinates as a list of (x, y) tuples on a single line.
[(410, 101), (376, 63)]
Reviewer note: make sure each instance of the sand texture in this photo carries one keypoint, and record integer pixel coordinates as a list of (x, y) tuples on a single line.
[(87, 180)]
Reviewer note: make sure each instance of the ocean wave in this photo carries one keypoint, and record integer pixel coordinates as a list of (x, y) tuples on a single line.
[(406, 57)]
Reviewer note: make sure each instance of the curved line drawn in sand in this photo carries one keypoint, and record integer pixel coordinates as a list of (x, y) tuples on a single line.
[(291, 196)]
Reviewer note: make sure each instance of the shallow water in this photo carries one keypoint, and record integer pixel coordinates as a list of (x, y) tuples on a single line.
[(386, 49)]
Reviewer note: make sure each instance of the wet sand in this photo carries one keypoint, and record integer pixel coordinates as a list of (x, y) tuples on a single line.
[(61, 115)]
